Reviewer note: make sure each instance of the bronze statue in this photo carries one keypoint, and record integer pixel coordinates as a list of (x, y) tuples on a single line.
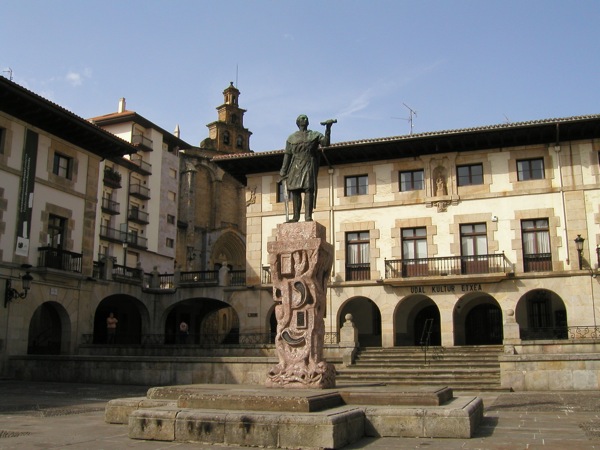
[(301, 166)]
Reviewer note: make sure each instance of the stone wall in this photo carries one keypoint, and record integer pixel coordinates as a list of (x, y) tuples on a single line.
[(552, 365)]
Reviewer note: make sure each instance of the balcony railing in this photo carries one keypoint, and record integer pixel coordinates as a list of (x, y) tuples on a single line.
[(448, 265), (237, 278), (141, 141), (200, 340), (358, 272), (131, 273), (112, 234), (136, 240), (139, 191), (110, 207), (56, 258), (200, 276), (144, 167), (138, 216), (539, 262), (112, 178)]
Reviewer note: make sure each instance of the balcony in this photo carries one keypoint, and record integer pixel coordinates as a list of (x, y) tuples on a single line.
[(59, 259), (144, 167), (112, 234), (136, 241), (137, 216), (142, 142), (110, 207), (139, 191), (112, 178), (493, 266)]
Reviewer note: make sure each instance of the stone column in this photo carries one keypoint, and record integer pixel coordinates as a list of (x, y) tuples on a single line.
[(301, 261)]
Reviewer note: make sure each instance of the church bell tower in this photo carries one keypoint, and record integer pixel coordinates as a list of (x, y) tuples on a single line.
[(228, 133)]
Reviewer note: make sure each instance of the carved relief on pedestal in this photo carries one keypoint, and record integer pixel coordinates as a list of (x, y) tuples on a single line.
[(300, 262)]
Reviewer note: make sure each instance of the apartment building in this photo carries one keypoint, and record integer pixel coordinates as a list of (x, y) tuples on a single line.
[(476, 236), (136, 224), (50, 160)]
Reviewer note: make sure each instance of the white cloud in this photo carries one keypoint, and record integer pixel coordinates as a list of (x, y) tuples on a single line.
[(77, 78)]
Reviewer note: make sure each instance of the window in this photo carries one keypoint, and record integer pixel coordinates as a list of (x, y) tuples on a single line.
[(226, 138), (414, 252), (411, 180), (356, 185), (171, 219), (239, 142), (530, 169), (473, 244), (57, 227), (62, 166), (170, 243), (470, 175), (2, 139), (280, 192), (234, 118), (536, 245), (357, 256), (172, 173), (171, 196)]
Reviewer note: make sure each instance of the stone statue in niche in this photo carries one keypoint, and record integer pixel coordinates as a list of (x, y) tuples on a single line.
[(439, 177), (301, 261)]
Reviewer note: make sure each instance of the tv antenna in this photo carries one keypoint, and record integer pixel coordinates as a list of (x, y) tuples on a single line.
[(410, 119), (9, 71)]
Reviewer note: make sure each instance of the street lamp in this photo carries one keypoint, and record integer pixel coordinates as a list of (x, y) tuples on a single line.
[(579, 243), (11, 293)]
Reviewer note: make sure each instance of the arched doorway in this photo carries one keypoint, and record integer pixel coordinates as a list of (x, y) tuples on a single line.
[(210, 322), (49, 330), (541, 314), (132, 317), (366, 318), (483, 325), (478, 320), (417, 318)]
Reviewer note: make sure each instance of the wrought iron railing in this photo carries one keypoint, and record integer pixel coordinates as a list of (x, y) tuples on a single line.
[(447, 265), (358, 272), (562, 332), (138, 216), (539, 262), (201, 340), (200, 277), (127, 272), (144, 166), (142, 141), (237, 277), (137, 190), (109, 206), (56, 258)]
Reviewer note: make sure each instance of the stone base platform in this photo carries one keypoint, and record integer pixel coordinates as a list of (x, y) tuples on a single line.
[(283, 418)]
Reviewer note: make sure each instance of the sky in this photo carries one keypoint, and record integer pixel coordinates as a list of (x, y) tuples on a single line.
[(367, 63)]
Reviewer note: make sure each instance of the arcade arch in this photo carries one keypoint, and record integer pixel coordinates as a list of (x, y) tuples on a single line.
[(410, 319), (49, 330), (541, 314), (367, 319), (477, 320), (209, 322), (132, 315)]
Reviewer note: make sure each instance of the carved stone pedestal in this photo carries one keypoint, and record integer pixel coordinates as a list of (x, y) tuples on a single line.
[(300, 262)]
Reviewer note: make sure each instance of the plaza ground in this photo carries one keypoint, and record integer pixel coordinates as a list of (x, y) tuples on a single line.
[(44, 415)]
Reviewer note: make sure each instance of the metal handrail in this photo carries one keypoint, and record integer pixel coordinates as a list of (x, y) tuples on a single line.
[(447, 265)]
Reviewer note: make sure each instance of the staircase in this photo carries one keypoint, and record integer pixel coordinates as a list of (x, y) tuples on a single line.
[(472, 368)]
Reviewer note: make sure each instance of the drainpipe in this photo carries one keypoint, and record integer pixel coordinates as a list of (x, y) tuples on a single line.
[(562, 192), (332, 240)]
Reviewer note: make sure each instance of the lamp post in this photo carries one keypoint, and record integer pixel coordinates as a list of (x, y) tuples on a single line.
[(11, 293), (579, 243)]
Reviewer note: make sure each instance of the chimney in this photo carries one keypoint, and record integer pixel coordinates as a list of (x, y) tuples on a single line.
[(121, 105), (176, 132)]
